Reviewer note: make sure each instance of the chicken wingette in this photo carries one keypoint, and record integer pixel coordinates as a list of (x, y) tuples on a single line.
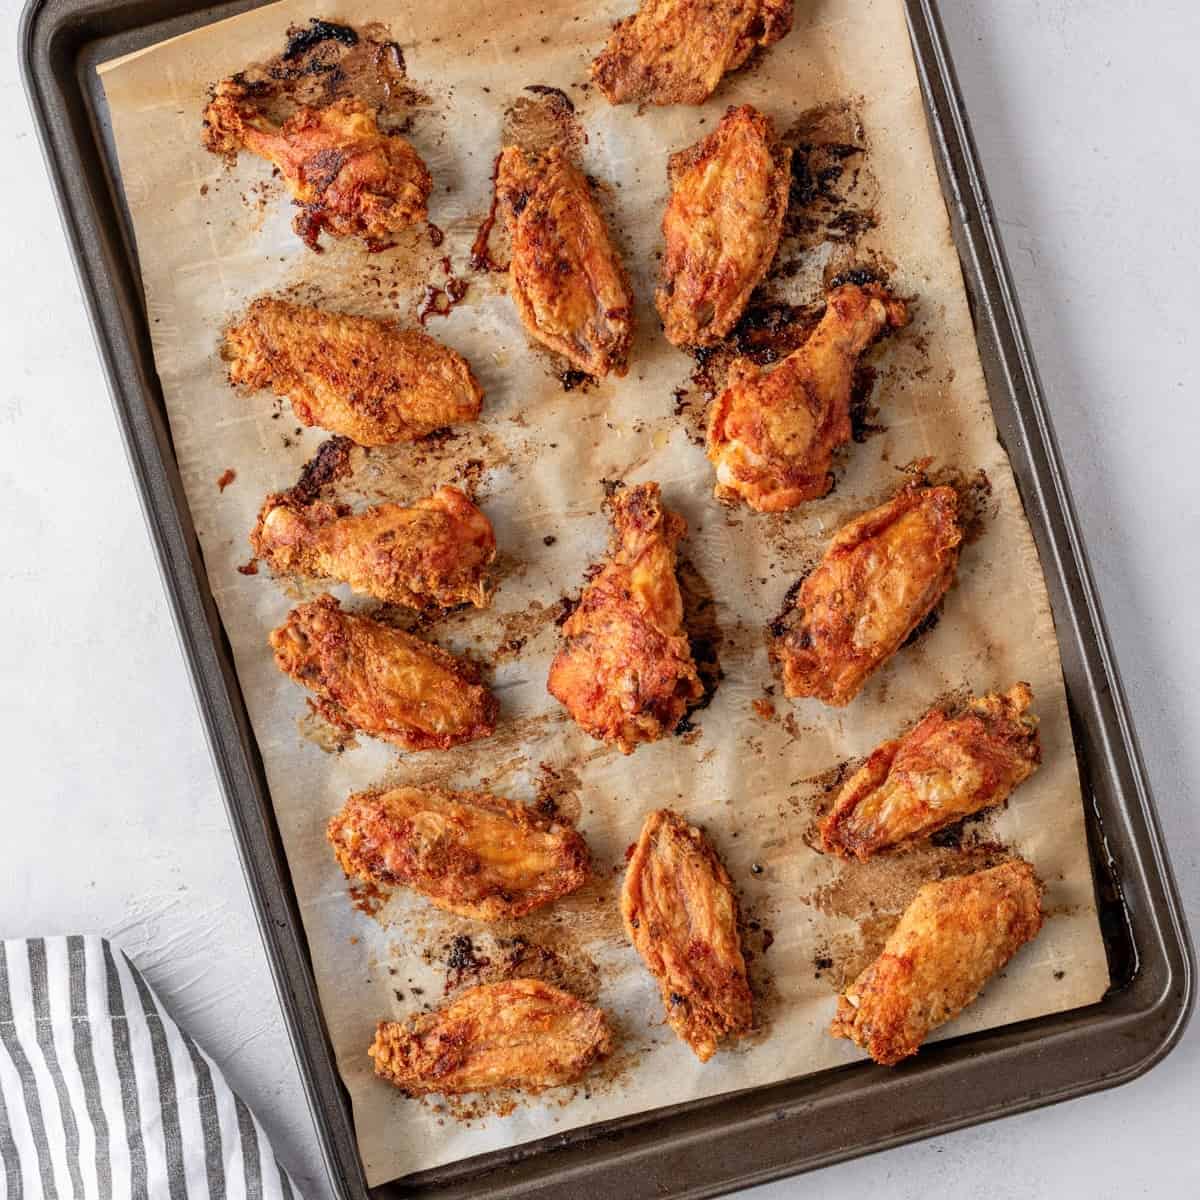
[(626, 672), (368, 380), (681, 915), (954, 936), (346, 175), (434, 554), (881, 576), (521, 1034), (729, 194), (381, 681), (469, 853), (952, 764), (567, 280), (772, 434), (676, 51)]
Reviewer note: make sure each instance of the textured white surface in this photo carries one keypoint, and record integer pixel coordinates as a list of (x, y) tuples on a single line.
[(1085, 115)]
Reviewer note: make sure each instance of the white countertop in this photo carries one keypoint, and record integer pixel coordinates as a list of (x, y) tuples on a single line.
[(1086, 117)]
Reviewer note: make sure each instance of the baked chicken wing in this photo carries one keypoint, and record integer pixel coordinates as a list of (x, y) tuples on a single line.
[(382, 681), (345, 174), (626, 673), (676, 51), (954, 936), (729, 193), (949, 766), (369, 380), (681, 916), (466, 852), (882, 575), (432, 555), (567, 279), (521, 1033), (772, 434)]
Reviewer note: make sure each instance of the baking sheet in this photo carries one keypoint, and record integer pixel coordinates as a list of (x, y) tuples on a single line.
[(755, 780)]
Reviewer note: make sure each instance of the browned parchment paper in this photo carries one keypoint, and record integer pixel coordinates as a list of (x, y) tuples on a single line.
[(539, 455)]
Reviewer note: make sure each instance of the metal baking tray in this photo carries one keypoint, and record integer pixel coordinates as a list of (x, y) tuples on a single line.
[(715, 1145)]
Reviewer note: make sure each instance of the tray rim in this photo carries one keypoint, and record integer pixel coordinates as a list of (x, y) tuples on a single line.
[(650, 1154)]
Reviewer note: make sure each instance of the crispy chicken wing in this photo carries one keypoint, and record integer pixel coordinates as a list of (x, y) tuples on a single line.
[(345, 174), (954, 936), (469, 853), (432, 555), (681, 916), (729, 193), (369, 380), (675, 51), (521, 1033), (772, 434), (882, 575), (626, 672), (382, 681), (949, 766), (567, 280)]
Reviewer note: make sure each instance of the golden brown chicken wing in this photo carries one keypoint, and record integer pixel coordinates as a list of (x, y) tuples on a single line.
[(954, 936), (434, 554), (949, 766), (681, 916), (382, 681), (729, 193), (882, 575), (567, 280), (469, 853), (346, 175), (675, 51), (626, 673), (369, 380), (521, 1033), (772, 434)]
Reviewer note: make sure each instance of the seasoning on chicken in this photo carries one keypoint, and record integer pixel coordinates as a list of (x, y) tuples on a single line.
[(676, 51), (345, 174), (434, 554), (381, 681), (949, 766), (521, 1034), (881, 576), (567, 279), (729, 193), (954, 936), (626, 673), (681, 916), (469, 853), (772, 434), (369, 380)]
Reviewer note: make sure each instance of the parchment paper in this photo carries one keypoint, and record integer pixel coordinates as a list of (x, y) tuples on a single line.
[(754, 779)]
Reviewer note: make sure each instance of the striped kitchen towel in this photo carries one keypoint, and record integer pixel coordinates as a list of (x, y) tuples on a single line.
[(102, 1094)]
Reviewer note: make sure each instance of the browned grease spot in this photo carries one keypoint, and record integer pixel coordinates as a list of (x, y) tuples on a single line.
[(542, 119), (519, 628), (226, 478), (331, 738), (558, 791)]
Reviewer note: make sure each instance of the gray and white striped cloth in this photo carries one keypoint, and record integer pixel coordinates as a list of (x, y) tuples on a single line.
[(102, 1094)]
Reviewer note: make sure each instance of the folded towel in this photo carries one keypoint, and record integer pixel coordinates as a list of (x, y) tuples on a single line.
[(102, 1094)]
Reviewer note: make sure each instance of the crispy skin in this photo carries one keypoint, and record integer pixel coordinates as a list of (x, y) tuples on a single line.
[(469, 853), (626, 673), (675, 51), (722, 225), (946, 768), (521, 1033), (432, 555), (880, 578), (772, 434), (346, 175), (568, 282), (681, 916), (369, 380), (954, 936), (382, 681)]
